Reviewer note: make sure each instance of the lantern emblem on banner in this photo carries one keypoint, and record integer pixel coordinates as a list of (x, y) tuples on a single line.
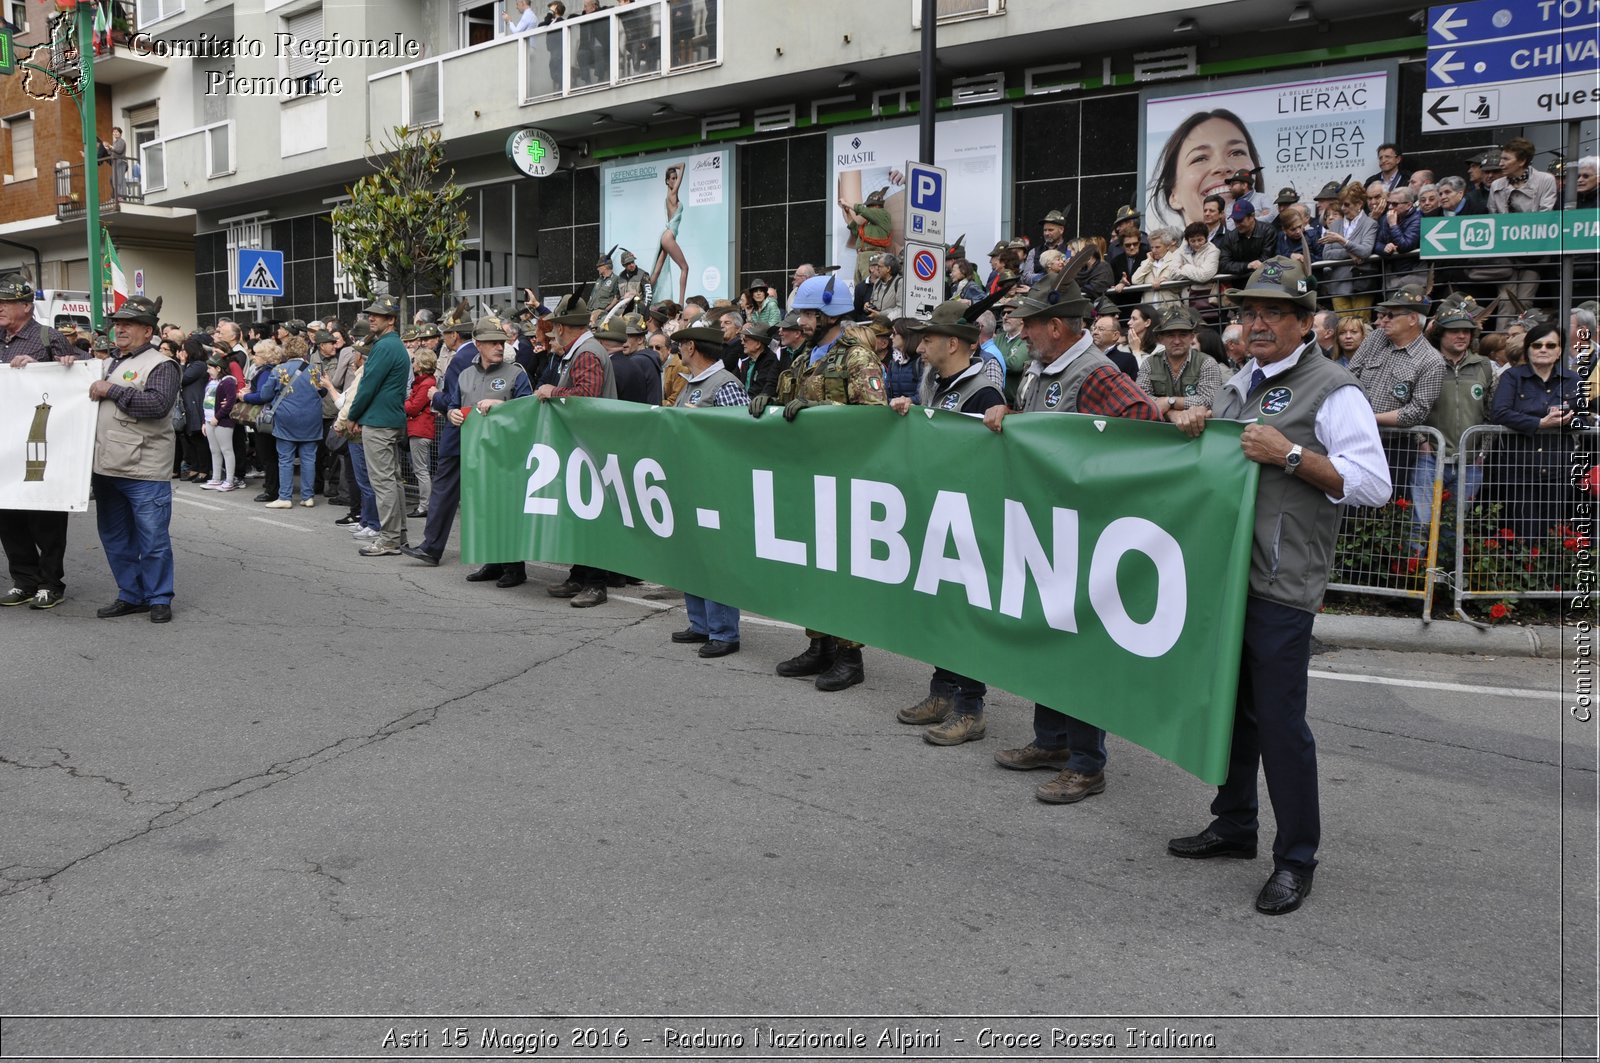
[(36, 442)]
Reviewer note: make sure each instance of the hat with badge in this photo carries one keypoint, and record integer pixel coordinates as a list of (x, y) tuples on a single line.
[(1408, 298), (295, 326), (612, 329), (489, 328), (1177, 318), (1125, 212), (1331, 190), (14, 288), (409, 335), (998, 249), (1457, 313), (571, 310), (1489, 162), (1241, 177), (628, 257), (707, 339), (1055, 217), (633, 325), (1287, 196), (360, 330), (429, 331), (383, 306), (1060, 297), (949, 319), (603, 260), (791, 322), (102, 343), (1280, 278), (324, 337), (139, 310), (757, 330)]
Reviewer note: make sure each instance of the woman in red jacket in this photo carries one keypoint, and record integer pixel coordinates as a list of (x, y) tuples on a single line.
[(420, 426)]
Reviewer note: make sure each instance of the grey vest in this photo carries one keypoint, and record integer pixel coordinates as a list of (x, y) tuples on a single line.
[(1296, 525), (1161, 383), (608, 386), (125, 445), (704, 392), (477, 383), (967, 383), (1058, 393)]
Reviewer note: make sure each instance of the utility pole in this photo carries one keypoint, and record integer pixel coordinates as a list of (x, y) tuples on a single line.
[(929, 93)]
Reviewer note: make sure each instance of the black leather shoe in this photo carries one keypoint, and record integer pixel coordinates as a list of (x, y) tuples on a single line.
[(485, 574), (1284, 892), (567, 589), (1208, 843), (120, 608), (348, 519), (161, 614), (265, 496), (511, 579), (714, 648), (419, 554), (689, 634), (417, 513)]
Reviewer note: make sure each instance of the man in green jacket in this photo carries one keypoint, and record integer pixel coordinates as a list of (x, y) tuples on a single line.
[(379, 408)]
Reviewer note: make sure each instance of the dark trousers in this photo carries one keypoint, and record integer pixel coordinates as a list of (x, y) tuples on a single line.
[(1270, 729), (196, 451), (324, 461), (267, 458), (968, 694), (1053, 729), (241, 446), (35, 543), (443, 501), (589, 577)]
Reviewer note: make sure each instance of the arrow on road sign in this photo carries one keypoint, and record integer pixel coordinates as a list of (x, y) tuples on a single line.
[(1433, 238), (1438, 109), (1446, 24), (1443, 66)]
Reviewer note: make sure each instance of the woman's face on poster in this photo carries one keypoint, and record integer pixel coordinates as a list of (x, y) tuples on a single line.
[(674, 177), (1213, 149)]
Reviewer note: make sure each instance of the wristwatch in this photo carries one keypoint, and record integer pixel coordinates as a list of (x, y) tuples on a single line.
[(1291, 461)]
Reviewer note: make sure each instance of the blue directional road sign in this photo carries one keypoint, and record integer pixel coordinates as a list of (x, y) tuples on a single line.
[(1511, 62), (260, 272)]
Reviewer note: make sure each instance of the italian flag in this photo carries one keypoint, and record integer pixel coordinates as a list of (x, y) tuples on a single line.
[(102, 30), (114, 275)]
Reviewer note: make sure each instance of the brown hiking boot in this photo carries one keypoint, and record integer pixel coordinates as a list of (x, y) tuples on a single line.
[(931, 709), (1031, 757), (956, 729), (569, 589), (1071, 787), (589, 597)]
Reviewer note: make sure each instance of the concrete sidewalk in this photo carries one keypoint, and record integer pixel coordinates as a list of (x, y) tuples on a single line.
[(1439, 636)]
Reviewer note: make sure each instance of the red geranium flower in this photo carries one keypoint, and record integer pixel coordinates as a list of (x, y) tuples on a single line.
[(1411, 564), (1583, 542), (1402, 503), (1499, 611), (1507, 534), (1533, 551), (1445, 495), (1491, 544), (1570, 543)]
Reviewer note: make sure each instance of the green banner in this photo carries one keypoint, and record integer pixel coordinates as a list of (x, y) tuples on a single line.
[(1095, 565)]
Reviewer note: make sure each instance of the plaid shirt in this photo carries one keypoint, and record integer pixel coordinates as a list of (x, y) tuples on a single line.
[(1407, 378), (588, 377), (37, 342), (1109, 392)]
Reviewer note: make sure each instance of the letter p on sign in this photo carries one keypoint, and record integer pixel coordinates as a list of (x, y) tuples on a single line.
[(927, 193)]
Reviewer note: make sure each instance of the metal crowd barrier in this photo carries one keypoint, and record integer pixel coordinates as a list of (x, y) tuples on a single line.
[(1522, 526), (1393, 549)]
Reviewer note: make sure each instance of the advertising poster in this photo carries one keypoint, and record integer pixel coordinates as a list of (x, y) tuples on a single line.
[(1298, 134), (977, 203), (675, 213), (47, 436)]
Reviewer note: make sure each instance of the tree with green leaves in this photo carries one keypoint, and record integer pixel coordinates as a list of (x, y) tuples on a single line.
[(404, 224)]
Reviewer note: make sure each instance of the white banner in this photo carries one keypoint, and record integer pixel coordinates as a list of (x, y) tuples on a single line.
[(972, 150), (46, 436), (1300, 135)]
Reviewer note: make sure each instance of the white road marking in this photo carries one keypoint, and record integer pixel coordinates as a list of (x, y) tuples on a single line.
[(646, 602), (1428, 684), (281, 524), (192, 502)]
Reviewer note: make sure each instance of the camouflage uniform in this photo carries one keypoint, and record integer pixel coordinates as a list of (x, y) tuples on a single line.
[(845, 376)]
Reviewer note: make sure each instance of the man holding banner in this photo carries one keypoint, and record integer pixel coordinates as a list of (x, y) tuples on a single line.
[(35, 541), (1319, 441), (1069, 374)]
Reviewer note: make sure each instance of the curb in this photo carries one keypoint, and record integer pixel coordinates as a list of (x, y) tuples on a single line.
[(1414, 636)]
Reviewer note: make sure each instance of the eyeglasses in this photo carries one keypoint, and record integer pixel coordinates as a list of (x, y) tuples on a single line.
[(1270, 314), (1548, 343)]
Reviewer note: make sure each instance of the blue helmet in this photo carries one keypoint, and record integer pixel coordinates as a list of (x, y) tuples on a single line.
[(825, 294)]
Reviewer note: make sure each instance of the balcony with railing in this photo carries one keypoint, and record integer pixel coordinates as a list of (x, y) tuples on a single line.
[(117, 185), (181, 164), (119, 54), (620, 46)]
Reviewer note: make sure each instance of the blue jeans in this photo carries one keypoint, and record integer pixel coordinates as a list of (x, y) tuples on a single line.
[(1057, 730), (1422, 489), (369, 501), (713, 619), (287, 449), (967, 693), (135, 520)]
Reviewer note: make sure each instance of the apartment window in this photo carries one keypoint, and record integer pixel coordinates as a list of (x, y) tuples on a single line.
[(306, 26), (957, 10), (477, 23), (19, 134), (15, 13), (243, 233), (155, 10)]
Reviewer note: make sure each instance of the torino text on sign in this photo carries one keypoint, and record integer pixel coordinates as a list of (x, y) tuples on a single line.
[(1556, 232), (1509, 62)]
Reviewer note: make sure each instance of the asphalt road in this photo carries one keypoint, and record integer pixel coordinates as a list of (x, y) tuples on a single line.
[(337, 786)]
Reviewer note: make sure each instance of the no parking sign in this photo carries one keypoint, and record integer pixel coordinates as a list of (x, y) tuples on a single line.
[(924, 278)]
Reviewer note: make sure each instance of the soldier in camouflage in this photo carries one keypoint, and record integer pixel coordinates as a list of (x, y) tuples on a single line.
[(829, 369)]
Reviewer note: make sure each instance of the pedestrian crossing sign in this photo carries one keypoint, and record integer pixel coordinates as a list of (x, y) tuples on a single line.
[(260, 272)]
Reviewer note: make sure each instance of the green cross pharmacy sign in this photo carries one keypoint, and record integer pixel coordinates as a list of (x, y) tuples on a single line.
[(534, 152), (1556, 232), (8, 57)]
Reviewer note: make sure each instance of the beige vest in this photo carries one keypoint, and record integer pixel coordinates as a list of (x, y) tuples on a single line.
[(126, 446)]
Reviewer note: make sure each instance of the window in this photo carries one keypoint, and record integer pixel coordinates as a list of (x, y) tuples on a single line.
[(155, 10), (15, 13), (19, 129), (243, 233), (304, 27), (478, 22)]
